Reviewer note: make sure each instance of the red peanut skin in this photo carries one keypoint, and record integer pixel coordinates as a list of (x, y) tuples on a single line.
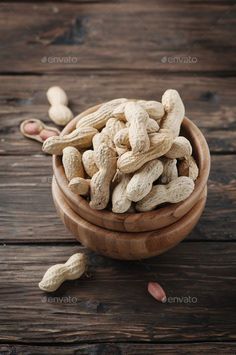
[(157, 291)]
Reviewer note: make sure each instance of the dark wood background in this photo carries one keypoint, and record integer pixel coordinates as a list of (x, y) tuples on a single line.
[(99, 50)]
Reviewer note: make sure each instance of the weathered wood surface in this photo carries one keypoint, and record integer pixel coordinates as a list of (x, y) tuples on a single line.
[(129, 35), (113, 304), (209, 102), (98, 50), (27, 212), (121, 349)]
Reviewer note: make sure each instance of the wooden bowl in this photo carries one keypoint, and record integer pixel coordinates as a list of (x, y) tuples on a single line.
[(125, 245), (142, 221)]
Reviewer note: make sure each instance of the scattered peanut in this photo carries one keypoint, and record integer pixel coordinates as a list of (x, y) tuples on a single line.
[(57, 95), (37, 130), (157, 292), (72, 163), (81, 138), (120, 201), (57, 274), (174, 192), (175, 111), (58, 112), (141, 182)]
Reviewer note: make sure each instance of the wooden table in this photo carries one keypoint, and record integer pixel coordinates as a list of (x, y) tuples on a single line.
[(99, 50)]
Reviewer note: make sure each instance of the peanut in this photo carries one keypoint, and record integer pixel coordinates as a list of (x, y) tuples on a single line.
[(120, 202), (170, 171), (113, 126), (188, 167), (72, 163), (89, 163), (99, 118), (37, 130), (138, 120), (57, 274), (46, 133), (152, 126), (141, 182), (121, 138), (180, 149), (105, 158), (79, 186), (175, 111), (129, 163), (58, 112), (32, 128), (154, 109), (101, 138), (157, 292), (57, 95), (80, 137), (176, 191), (121, 151)]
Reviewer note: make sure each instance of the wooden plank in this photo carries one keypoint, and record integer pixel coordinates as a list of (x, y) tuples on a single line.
[(27, 213), (63, 37), (209, 102), (113, 304), (120, 349)]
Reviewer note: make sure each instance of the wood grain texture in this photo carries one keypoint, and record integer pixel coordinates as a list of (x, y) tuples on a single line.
[(65, 37), (209, 102), (121, 349), (113, 304), (27, 212)]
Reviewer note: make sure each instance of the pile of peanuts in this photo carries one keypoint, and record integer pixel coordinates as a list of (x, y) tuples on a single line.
[(128, 155)]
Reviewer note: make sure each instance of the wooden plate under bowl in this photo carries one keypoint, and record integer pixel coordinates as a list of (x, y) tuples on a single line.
[(126, 246), (142, 221)]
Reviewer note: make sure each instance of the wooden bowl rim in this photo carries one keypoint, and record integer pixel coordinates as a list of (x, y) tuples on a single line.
[(197, 140)]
